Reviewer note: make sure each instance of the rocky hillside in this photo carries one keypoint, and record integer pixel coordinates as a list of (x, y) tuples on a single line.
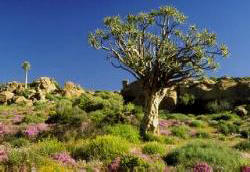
[(198, 94), (40, 90)]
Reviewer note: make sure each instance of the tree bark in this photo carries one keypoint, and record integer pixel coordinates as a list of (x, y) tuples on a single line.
[(150, 122), (26, 79)]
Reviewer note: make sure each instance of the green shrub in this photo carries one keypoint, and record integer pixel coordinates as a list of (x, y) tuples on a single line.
[(227, 128), (202, 134), (243, 146), (180, 131), (178, 116), (126, 131), (19, 142), (187, 99), (197, 123), (170, 140), (245, 133), (34, 118), (216, 155), (218, 106), (102, 148), (154, 138), (66, 114), (154, 148), (48, 147), (131, 162)]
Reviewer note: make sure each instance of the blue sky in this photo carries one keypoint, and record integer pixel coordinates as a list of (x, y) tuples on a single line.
[(52, 35)]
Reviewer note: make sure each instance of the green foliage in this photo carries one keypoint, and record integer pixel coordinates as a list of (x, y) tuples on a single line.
[(48, 147), (131, 162), (154, 148), (66, 114), (126, 131), (202, 134), (34, 118), (227, 128), (19, 142), (218, 106), (180, 131), (178, 116), (187, 99), (102, 148), (26, 65), (216, 155), (243, 146), (197, 123)]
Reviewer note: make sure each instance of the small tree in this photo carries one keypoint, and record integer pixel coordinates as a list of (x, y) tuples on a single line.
[(26, 67), (159, 49)]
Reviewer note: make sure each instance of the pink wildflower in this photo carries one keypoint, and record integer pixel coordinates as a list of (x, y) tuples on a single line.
[(246, 169), (3, 155), (202, 167), (65, 158)]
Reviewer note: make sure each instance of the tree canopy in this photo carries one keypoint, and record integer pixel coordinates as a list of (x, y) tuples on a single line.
[(158, 47)]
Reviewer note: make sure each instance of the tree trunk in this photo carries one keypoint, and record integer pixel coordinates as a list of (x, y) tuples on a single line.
[(150, 122), (26, 79)]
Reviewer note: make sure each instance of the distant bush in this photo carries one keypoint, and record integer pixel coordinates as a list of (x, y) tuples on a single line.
[(216, 155), (180, 131), (128, 132), (154, 148), (218, 106), (243, 146), (187, 99), (102, 148)]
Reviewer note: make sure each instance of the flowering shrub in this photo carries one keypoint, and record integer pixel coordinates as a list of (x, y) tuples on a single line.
[(3, 155), (245, 169), (114, 165), (202, 167), (34, 130), (17, 119), (65, 158)]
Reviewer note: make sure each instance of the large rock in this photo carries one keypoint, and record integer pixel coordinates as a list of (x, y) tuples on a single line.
[(241, 110), (72, 90), (6, 96), (45, 84), (22, 100), (235, 91)]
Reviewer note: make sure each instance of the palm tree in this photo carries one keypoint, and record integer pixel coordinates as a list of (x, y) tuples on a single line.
[(26, 67)]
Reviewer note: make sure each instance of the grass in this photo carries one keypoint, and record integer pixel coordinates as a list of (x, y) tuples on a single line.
[(216, 155)]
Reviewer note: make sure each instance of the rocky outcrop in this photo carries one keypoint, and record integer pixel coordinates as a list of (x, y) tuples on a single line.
[(72, 90), (6, 96), (45, 84), (235, 91), (22, 100), (37, 91)]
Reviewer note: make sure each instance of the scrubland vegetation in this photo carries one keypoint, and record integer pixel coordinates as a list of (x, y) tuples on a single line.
[(98, 131)]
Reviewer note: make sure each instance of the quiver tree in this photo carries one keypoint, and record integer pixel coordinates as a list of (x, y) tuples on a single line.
[(26, 67), (159, 49)]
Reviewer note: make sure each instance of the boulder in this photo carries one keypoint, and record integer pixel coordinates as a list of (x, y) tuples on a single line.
[(22, 100), (14, 86), (72, 90), (45, 84), (6, 96), (241, 110)]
